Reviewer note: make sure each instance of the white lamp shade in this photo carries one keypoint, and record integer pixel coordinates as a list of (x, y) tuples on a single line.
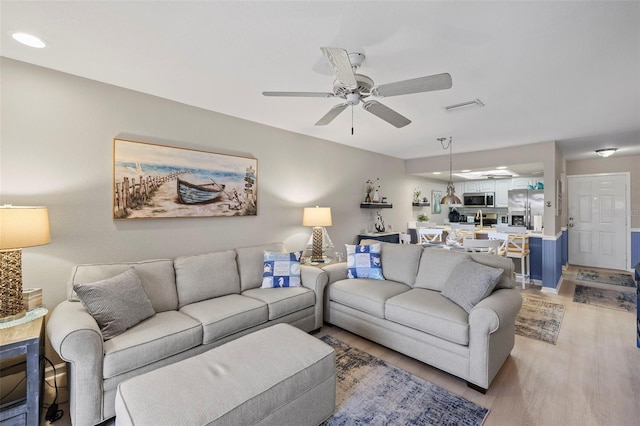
[(316, 216), (23, 227)]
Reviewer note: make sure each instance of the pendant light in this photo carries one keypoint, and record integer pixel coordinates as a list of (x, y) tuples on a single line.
[(450, 200)]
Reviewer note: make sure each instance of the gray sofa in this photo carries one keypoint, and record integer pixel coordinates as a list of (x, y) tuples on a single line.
[(200, 302), (408, 313)]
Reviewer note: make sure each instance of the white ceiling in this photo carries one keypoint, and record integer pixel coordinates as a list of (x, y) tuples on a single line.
[(564, 71)]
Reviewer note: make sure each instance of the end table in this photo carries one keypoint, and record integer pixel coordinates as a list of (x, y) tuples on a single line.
[(24, 339)]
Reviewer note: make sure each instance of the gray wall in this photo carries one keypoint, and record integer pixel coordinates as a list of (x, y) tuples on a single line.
[(56, 150)]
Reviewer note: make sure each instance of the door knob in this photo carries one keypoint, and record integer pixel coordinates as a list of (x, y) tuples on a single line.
[(571, 225)]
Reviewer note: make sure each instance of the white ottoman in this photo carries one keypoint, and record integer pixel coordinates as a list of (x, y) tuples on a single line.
[(279, 375)]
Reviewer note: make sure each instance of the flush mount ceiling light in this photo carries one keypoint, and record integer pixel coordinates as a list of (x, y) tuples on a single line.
[(605, 152), (465, 105), (29, 40)]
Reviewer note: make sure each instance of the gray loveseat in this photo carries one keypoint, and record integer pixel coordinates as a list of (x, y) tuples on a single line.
[(200, 302), (408, 313)]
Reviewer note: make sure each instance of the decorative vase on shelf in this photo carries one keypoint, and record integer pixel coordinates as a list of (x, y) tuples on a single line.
[(367, 198), (376, 196)]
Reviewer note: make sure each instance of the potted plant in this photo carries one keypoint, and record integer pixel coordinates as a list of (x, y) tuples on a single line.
[(423, 218)]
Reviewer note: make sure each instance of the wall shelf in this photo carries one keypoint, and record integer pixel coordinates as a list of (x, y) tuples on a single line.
[(376, 205), (427, 204)]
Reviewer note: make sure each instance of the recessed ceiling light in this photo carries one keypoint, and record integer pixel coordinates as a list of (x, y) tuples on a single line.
[(606, 152), (466, 170), (29, 40), (436, 173), (501, 167)]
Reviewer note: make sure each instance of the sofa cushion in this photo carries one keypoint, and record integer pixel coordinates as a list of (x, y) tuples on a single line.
[(117, 303), (157, 276), (400, 262), (159, 337), (250, 264), (283, 301), (363, 261), (206, 276), (281, 269), (226, 315), (429, 312), (469, 283), (435, 266), (365, 295), (505, 263)]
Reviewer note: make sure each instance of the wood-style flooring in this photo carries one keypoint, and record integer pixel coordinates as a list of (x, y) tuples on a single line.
[(591, 376)]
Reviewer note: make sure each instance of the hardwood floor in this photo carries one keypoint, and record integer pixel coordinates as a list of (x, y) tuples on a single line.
[(590, 377)]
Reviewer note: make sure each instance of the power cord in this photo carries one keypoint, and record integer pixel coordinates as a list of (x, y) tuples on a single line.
[(53, 414)]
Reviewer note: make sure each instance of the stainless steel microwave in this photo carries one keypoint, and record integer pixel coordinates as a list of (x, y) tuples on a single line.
[(479, 199)]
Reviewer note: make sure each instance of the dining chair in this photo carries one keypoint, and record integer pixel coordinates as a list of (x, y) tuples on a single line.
[(504, 241), (481, 246), (518, 248), (463, 230), (429, 235)]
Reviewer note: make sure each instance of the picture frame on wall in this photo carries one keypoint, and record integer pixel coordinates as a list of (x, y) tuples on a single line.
[(159, 181), (558, 197), (436, 196)]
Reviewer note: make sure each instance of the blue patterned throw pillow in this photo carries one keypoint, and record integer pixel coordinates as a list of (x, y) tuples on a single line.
[(364, 262), (281, 269)]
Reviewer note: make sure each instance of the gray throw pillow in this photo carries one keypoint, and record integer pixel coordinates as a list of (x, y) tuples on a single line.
[(469, 283), (117, 303)]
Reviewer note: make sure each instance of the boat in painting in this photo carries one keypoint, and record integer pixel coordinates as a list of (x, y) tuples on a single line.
[(190, 193)]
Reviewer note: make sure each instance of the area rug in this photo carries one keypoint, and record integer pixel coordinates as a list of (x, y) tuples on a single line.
[(539, 319), (612, 299), (371, 392), (613, 278)]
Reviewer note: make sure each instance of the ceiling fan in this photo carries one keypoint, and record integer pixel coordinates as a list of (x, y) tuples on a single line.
[(354, 88)]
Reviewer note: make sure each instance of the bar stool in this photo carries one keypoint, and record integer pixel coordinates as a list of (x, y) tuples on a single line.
[(518, 248)]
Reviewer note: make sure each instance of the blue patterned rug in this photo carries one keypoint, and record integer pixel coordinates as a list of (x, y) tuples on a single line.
[(613, 278), (371, 392), (539, 319), (612, 299)]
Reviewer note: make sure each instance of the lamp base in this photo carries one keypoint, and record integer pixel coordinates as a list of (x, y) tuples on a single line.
[(11, 299), (316, 248)]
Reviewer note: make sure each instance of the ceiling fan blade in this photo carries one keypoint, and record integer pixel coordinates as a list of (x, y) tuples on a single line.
[(386, 113), (301, 94), (339, 60), (415, 85), (333, 113)]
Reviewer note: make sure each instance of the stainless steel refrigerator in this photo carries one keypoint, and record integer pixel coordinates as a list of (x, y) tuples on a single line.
[(524, 204)]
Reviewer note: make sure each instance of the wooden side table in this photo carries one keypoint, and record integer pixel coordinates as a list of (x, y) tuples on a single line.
[(24, 339)]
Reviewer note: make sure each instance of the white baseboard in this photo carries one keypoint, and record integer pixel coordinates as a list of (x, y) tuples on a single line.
[(552, 290)]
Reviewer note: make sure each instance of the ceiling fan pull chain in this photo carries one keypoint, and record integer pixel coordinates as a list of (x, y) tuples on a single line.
[(351, 120)]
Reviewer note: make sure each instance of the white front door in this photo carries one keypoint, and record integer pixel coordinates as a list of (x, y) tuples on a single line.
[(597, 220)]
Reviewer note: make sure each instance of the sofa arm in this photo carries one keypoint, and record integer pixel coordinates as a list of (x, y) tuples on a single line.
[(76, 337), (492, 334), (315, 279), (336, 271), (500, 307)]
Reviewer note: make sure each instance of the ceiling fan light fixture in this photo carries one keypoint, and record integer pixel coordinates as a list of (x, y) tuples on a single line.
[(605, 152), (465, 105)]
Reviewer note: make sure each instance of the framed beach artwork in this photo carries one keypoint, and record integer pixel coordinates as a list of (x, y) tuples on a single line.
[(157, 181), (436, 196)]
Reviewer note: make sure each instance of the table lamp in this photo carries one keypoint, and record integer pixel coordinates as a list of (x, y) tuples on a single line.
[(318, 217), (20, 227)]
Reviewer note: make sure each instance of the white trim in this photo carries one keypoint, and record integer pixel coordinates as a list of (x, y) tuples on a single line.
[(552, 290), (635, 229), (552, 237)]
